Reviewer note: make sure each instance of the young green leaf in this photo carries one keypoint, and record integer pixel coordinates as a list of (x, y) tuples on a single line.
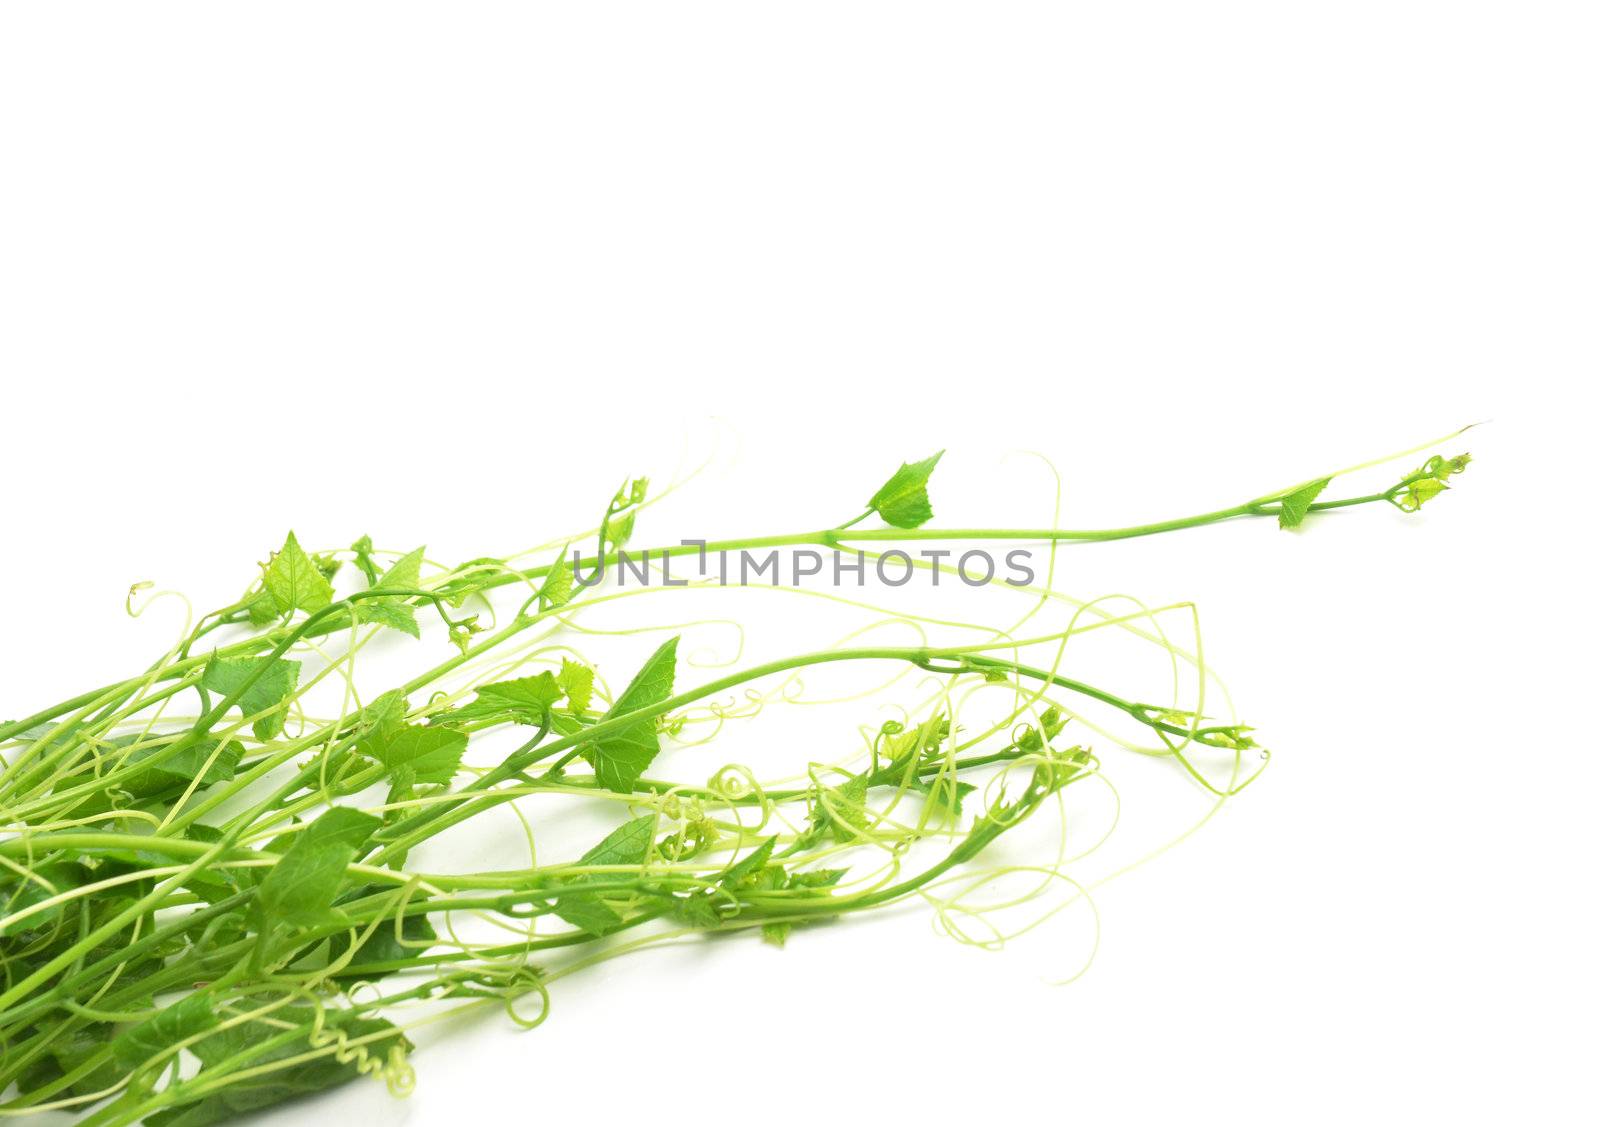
[(556, 590), (300, 888), (1428, 482), (404, 572), (619, 529), (816, 878), (266, 694), (749, 865), (392, 610), (903, 500), (577, 681), (621, 757), (904, 747), (943, 793), (1293, 507), (700, 909), (294, 582), (630, 493), (843, 810), (261, 609), (776, 932)]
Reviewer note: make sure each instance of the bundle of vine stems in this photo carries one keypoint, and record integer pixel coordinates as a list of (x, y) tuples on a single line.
[(208, 901)]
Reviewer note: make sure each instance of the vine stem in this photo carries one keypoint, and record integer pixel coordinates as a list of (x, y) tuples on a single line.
[(407, 833), (826, 538)]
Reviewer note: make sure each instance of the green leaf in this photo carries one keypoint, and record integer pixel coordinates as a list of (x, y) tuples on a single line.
[(18, 892), (300, 888), (414, 754), (903, 500), (776, 932), (1292, 508), (469, 579), (843, 810), (630, 493), (817, 878), (294, 582), (706, 909), (621, 757), (557, 588), (145, 778), (392, 610), (382, 946), (1427, 489), (587, 912), (266, 694), (386, 712), (524, 700), (577, 681), (920, 743), (531, 697), (239, 1097), (944, 793), (66, 1054), (39, 731), (1430, 481), (749, 865), (261, 609), (628, 844), (183, 767), (211, 883), (171, 1024), (699, 909), (1421, 491), (619, 529)]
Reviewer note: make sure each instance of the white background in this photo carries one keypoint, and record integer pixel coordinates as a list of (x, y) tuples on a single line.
[(445, 274)]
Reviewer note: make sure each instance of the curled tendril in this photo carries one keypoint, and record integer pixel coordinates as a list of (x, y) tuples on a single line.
[(393, 1067), (519, 983)]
